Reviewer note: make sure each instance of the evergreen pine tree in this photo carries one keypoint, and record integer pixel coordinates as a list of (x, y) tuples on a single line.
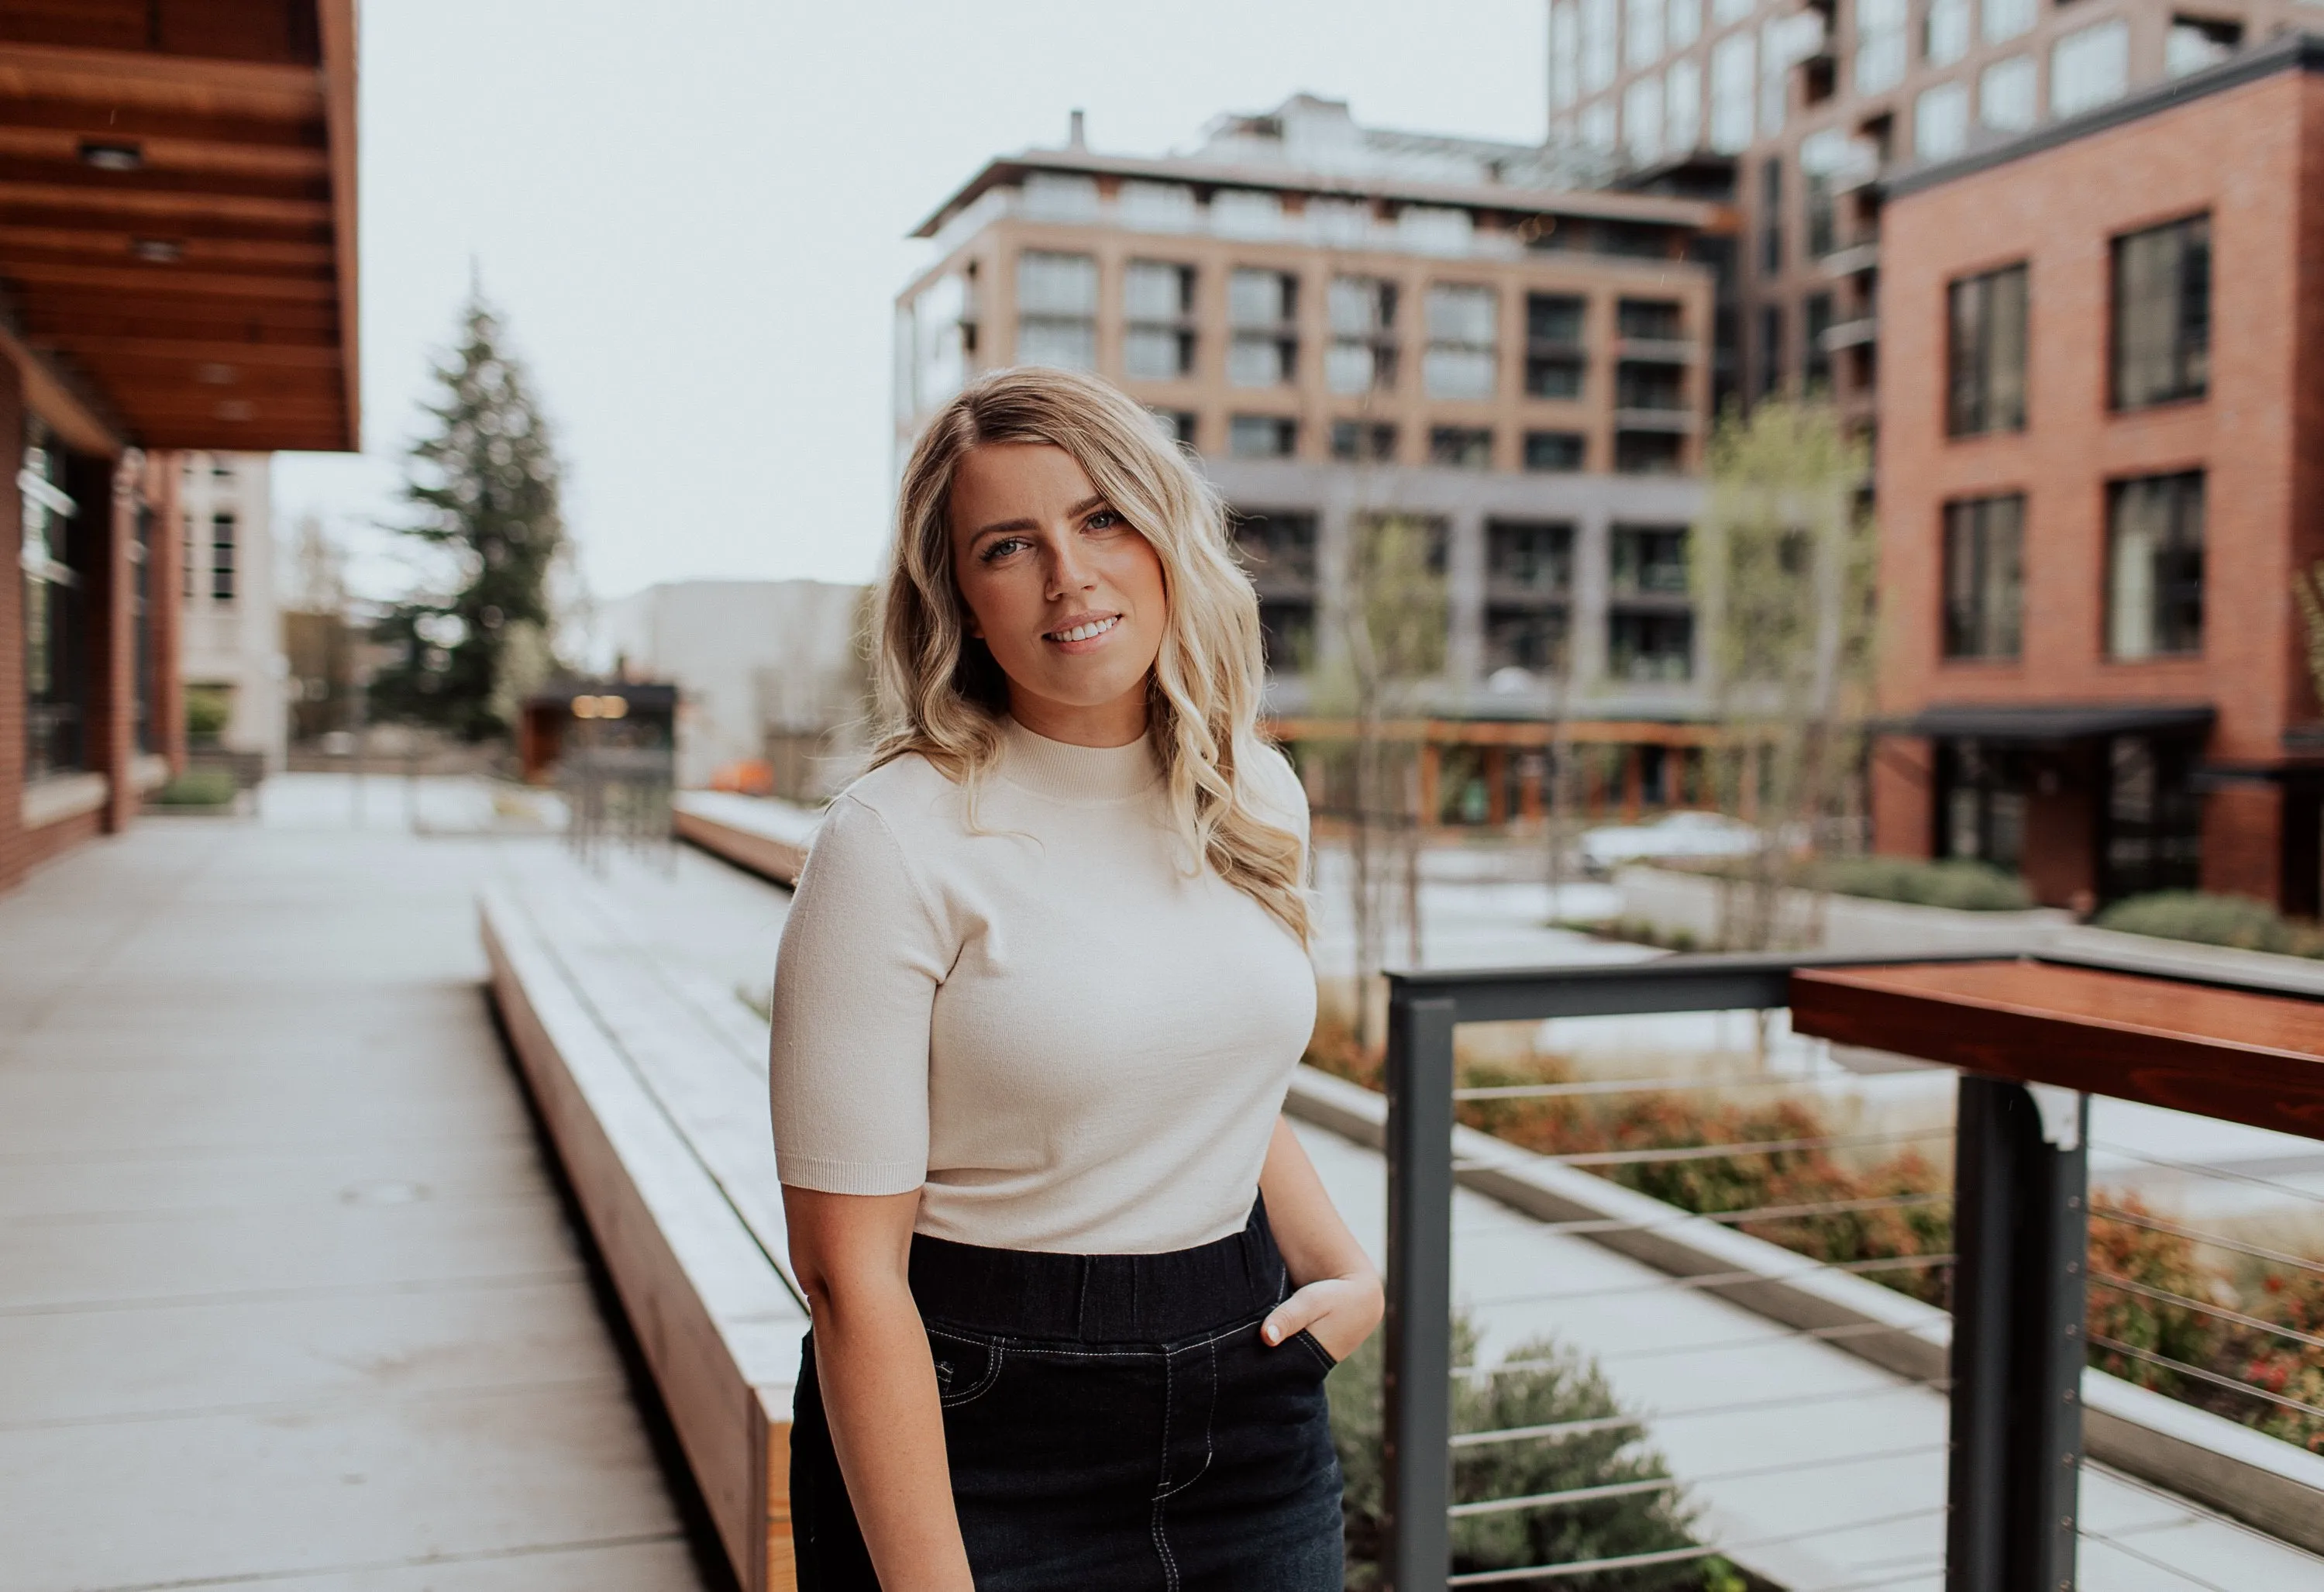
[(484, 490)]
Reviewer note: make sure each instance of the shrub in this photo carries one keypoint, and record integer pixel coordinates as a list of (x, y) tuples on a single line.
[(2235, 921), (2160, 1261), (207, 709), (1961, 885), (2283, 1365), (197, 787), (1563, 1386)]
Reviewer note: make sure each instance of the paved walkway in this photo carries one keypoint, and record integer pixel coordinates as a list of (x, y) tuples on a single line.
[(286, 1298)]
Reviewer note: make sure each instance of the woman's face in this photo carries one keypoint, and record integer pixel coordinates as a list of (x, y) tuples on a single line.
[(1068, 597)]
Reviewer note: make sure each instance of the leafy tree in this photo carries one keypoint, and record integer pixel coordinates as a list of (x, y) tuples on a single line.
[(484, 490), (1784, 572)]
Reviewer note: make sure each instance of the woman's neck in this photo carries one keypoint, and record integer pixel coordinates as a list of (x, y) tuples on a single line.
[(1117, 723)]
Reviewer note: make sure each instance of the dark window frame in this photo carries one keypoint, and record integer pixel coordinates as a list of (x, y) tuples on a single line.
[(1982, 310), (2176, 572), (2189, 356), (1983, 547)]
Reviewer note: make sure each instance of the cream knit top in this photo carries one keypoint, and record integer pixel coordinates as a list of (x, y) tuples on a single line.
[(1047, 1025)]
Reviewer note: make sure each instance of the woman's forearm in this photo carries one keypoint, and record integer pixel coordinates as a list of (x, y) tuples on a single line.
[(880, 1395), (1338, 1296)]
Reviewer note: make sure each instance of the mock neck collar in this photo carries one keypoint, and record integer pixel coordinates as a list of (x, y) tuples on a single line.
[(1067, 772)]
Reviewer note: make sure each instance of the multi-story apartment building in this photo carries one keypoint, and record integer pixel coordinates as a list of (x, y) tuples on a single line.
[(1796, 109), (230, 633), (1348, 324), (2101, 476)]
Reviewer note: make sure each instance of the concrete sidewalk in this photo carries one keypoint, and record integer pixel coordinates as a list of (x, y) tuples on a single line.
[(286, 1295)]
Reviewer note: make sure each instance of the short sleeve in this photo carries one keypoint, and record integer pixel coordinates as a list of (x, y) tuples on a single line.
[(856, 984), (1277, 795)]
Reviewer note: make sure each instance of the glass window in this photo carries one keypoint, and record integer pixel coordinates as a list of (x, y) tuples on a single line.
[(2005, 19), (1060, 196), (1178, 424), (222, 558), (1949, 25), (1816, 359), (1056, 310), (1686, 22), (2154, 566), (1649, 647), (1771, 215), (1598, 57), (1462, 447), (1642, 43), (1774, 74), (1981, 802), (1158, 300), (1881, 44), (2089, 67), (1565, 54), (1279, 550), (1242, 212), (1435, 230), (2163, 314), (940, 351), (1554, 450), (1369, 440), (1598, 126), (54, 560), (1555, 360), (1653, 320), (1649, 385), (1531, 637), (2153, 815), (1984, 576), (1682, 105), (1462, 329), (1642, 119), (1940, 122), (1733, 72), (1261, 436), (1158, 207), (1263, 349), (1649, 561), (1771, 349), (2195, 43), (2008, 95), (1647, 453), (1339, 221), (1986, 352), (1528, 558)]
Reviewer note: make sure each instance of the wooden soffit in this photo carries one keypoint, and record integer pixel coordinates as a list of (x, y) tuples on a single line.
[(2228, 1053), (178, 216)]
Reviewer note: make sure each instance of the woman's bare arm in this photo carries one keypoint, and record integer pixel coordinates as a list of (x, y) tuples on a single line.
[(1338, 1296), (853, 1253)]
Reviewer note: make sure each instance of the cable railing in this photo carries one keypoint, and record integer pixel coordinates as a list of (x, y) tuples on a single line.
[(2027, 1289)]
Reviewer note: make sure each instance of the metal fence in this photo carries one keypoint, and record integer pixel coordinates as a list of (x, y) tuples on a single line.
[(617, 796), (2015, 1279)]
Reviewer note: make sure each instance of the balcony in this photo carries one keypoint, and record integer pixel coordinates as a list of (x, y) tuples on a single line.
[(1861, 332), (1854, 260), (1658, 350), (1678, 421)]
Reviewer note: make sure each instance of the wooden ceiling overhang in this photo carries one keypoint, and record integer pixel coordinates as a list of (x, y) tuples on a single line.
[(2240, 1055), (178, 220)]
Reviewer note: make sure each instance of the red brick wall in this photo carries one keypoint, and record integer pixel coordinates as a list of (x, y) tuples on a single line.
[(1904, 822), (113, 648), (2254, 157), (13, 858), (2243, 840), (54, 840)]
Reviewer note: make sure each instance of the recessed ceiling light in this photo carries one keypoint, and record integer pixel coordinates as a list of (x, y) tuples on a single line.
[(111, 156), (161, 251), (213, 374), (234, 408)]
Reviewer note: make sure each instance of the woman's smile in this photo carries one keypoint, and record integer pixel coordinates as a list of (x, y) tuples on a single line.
[(1083, 633)]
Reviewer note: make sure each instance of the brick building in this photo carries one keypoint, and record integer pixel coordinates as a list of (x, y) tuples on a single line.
[(2101, 467), (1795, 111), (1348, 323), (177, 271)]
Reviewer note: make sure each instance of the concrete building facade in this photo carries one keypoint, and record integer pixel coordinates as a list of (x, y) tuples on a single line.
[(1349, 325), (2101, 475), (231, 644), (1796, 111)]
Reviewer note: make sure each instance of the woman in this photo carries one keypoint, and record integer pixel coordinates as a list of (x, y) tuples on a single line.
[(1074, 1284)]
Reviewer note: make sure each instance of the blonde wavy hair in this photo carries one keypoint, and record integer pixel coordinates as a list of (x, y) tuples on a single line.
[(943, 696)]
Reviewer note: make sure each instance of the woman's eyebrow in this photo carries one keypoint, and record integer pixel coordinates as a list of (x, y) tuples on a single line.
[(1025, 522)]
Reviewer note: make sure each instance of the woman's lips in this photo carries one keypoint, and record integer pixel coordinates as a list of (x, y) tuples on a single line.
[(1083, 635)]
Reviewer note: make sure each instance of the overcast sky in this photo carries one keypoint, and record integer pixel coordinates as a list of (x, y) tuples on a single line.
[(691, 213)]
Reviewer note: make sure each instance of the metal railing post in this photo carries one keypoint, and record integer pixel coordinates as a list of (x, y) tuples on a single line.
[(1417, 1461), (2021, 1229)]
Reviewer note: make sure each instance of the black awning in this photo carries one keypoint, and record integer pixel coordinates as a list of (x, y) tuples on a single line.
[(2053, 721)]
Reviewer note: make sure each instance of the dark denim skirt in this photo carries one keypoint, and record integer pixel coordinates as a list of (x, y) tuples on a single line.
[(1114, 1424)]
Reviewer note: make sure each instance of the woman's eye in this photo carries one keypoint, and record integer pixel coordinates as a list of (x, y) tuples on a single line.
[(1104, 520), (1001, 549)]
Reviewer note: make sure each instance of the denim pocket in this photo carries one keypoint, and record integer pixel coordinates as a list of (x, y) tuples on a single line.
[(966, 1367), (1324, 1356)]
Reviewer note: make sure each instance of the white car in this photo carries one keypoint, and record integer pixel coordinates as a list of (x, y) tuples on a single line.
[(1673, 835)]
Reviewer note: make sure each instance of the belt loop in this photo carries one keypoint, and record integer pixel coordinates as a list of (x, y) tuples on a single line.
[(1081, 1297)]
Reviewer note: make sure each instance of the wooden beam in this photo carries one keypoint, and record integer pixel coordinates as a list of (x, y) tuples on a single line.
[(111, 245), (190, 203), (277, 160), (112, 119), (150, 81), (57, 313), (101, 187), (318, 355), (158, 284), (2253, 1059), (337, 19), (53, 394)]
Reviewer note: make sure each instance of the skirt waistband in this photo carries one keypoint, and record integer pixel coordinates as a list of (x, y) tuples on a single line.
[(1099, 1298)]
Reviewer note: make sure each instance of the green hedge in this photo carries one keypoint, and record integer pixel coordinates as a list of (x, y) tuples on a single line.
[(1965, 886), (197, 787), (2235, 921)]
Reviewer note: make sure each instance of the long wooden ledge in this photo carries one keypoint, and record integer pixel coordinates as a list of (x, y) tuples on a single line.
[(2233, 1055)]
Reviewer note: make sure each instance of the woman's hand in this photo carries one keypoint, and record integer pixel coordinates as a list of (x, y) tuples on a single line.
[(1339, 1311)]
